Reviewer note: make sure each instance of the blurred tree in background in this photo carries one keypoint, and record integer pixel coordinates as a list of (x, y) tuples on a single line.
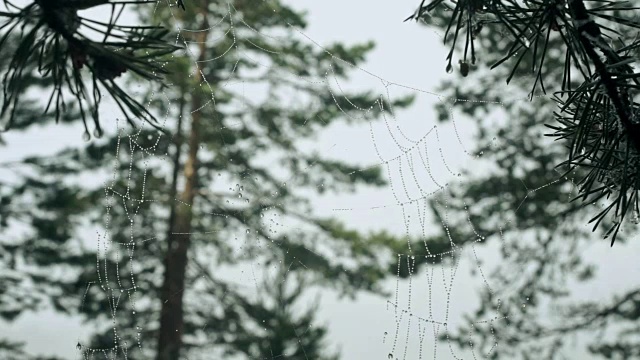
[(155, 276), (582, 52)]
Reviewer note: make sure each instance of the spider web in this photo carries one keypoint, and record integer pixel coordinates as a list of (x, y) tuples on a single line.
[(421, 159), (417, 169)]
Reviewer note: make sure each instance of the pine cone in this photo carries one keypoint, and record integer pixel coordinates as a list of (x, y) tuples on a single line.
[(108, 68), (78, 57)]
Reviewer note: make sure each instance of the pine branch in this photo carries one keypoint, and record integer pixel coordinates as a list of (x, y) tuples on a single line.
[(589, 33), (121, 49), (607, 90), (86, 4)]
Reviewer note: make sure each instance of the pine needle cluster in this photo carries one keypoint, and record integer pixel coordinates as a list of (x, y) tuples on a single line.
[(599, 118)]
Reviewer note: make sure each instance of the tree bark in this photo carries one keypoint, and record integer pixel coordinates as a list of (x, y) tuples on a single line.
[(178, 239)]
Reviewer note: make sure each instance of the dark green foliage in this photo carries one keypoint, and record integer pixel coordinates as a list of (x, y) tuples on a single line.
[(524, 201), (597, 116), (50, 34)]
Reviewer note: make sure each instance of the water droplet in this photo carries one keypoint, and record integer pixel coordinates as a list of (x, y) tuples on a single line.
[(449, 68), (386, 333), (247, 231), (149, 137), (527, 43), (97, 132), (86, 136), (464, 68), (390, 356)]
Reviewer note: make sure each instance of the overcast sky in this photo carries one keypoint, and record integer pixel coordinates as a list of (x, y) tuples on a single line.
[(408, 55)]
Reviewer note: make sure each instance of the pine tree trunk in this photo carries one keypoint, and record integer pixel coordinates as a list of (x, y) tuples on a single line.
[(175, 262)]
